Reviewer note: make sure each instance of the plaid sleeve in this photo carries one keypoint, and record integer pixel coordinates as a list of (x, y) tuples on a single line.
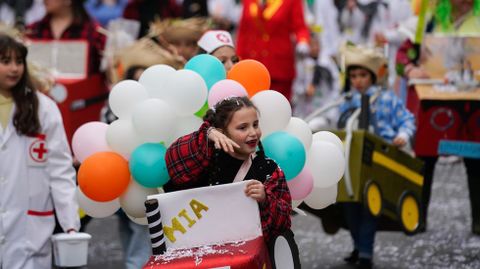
[(276, 209), (187, 158)]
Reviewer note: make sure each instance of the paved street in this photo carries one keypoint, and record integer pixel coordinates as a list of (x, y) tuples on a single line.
[(447, 243)]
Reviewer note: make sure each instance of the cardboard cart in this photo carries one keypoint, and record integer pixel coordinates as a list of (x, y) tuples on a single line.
[(213, 227)]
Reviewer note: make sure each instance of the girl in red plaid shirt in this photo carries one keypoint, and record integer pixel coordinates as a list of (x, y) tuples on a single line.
[(224, 150)]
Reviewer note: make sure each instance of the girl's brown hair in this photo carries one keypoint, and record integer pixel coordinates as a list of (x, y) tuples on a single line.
[(221, 114), (25, 118)]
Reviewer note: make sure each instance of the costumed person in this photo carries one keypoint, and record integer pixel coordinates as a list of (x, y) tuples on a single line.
[(134, 237), (68, 20), (361, 19), (456, 18), (265, 34), (37, 176), (219, 43), (389, 119), (183, 35), (224, 150), (314, 87)]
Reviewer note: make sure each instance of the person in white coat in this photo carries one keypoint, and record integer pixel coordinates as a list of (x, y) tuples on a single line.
[(37, 180)]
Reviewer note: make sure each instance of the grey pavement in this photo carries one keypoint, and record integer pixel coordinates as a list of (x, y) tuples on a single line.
[(448, 242)]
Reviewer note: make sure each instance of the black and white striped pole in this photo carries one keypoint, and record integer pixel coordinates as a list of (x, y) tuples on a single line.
[(155, 227)]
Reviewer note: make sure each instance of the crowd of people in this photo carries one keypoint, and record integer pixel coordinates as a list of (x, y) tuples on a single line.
[(300, 43)]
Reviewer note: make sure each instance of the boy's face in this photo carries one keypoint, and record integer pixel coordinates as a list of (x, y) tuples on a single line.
[(360, 79)]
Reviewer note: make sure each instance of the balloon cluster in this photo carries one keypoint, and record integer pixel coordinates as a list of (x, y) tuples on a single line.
[(124, 162)]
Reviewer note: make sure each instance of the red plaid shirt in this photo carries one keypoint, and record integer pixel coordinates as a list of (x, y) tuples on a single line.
[(188, 160), (76, 31)]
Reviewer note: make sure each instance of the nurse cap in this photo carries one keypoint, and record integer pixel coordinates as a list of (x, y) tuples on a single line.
[(214, 39)]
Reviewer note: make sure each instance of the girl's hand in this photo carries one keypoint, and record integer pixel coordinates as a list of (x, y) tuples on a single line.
[(255, 190), (221, 141)]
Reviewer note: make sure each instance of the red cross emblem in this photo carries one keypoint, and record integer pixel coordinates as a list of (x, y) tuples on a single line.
[(38, 151), (223, 38)]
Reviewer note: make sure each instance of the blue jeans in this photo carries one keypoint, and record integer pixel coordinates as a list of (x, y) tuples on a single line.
[(135, 241), (362, 226)]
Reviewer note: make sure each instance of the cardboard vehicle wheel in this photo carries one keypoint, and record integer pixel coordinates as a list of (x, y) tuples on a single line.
[(373, 198), (409, 213), (284, 252)]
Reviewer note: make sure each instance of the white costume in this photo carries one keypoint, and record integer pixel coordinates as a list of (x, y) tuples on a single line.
[(36, 180)]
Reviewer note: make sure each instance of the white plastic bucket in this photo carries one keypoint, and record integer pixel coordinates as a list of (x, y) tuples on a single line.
[(70, 249)]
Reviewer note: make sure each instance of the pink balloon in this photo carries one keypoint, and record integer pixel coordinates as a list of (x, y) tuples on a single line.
[(301, 185), (223, 89), (90, 138)]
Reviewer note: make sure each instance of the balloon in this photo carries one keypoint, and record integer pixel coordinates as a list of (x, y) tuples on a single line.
[(89, 139), (225, 88), (274, 111), (202, 111), (329, 137), (208, 67), (299, 128), (185, 125), (103, 176), (147, 165), (326, 162), (96, 209), (301, 185), (320, 198), (122, 138), (287, 151), (253, 75), (186, 92), (133, 199), (140, 221), (154, 79), (154, 120), (296, 203), (124, 96)]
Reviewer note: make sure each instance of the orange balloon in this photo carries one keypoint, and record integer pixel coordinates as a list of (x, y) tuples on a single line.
[(253, 75), (104, 176)]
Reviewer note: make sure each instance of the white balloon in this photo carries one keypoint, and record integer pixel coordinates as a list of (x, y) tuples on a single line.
[(96, 209), (122, 138), (141, 221), (329, 137), (326, 162), (154, 120), (133, 199), (320, 198), (185, 125), (299, 128), (154, 79), (296, 203), (124, 96), (185, 91), (274, 111)]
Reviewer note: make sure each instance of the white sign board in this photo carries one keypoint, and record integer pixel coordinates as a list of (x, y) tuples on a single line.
[(67, 59), (208, 215)]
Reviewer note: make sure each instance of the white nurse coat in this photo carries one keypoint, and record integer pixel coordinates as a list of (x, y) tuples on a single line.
[(36, 180)]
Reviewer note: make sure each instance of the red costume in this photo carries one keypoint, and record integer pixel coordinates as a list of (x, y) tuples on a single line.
[(265, 34)]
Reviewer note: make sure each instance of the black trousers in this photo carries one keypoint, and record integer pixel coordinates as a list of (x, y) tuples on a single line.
[(473, 176)]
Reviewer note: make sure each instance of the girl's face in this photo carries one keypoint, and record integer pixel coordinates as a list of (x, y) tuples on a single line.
[(227, 56), (360, 79), (11, 70), (243, 129)]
